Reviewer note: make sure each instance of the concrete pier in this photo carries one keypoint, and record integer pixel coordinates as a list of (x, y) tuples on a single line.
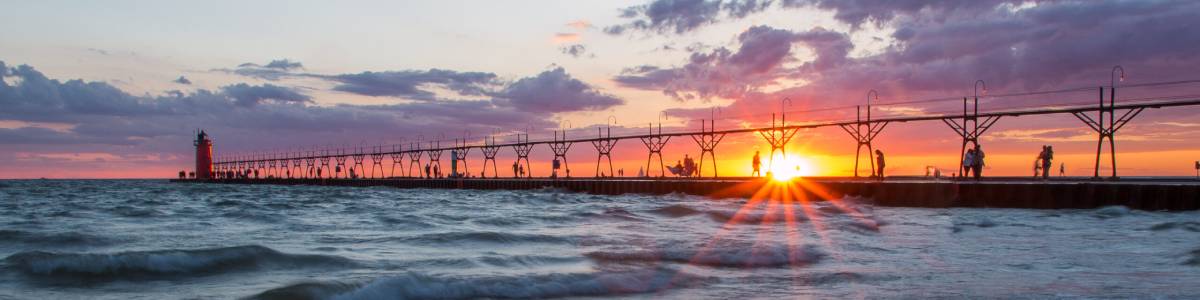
[(1147, 194)]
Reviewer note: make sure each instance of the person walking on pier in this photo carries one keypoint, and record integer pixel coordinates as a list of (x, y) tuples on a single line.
[(880, 162), (756, 163), (1062, 169), (977, 166)]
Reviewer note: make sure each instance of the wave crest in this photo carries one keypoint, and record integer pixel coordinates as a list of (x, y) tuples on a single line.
[(164, 262), (420, 286), (749, 256)]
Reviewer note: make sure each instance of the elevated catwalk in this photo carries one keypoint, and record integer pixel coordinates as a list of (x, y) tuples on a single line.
[(1145, 193)]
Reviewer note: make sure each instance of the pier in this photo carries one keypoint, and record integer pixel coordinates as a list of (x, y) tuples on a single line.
[(1102, 114)]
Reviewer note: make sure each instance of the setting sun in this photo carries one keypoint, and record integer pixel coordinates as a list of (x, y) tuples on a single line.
[(786, 167)]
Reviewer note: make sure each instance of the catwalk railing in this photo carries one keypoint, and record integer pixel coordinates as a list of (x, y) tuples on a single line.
[(970, 124)]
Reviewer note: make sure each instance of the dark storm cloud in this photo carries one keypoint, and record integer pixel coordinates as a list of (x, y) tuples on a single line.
[(554, 91), (182, 80), (411, 83), (249, 95), (681, 16)]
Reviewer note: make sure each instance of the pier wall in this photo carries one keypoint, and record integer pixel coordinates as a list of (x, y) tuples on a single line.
[(912, 193)]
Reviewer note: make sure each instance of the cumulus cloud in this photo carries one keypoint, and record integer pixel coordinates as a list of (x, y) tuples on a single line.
[(97, 117), (574, 50), (939, 49), (273, 70), (554, 91), (724, 73), (412, 83), (250, 95), (681, 16), (878, 12), (182, 80)]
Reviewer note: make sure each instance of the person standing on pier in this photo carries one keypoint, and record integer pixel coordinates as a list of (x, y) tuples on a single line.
[(977, 167), (879, 161), (515, 174), (427, 171), (978, 162), (1047, 161), (757, 164), (1062, 169), (968, 163)]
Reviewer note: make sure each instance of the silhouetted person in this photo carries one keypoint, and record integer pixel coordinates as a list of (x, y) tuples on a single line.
[(255, 173), (521, 168), (968, 162), (757, 164), (427, 171), (515, 174), (182, 175), (977, 169), (1047, 161), (1062, 169), (879, 161), (437, 173)]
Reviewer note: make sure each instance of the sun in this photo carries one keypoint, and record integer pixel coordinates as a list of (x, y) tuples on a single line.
[(787, 167)]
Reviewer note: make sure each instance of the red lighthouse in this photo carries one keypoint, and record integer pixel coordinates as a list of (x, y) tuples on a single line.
[(203, 156)]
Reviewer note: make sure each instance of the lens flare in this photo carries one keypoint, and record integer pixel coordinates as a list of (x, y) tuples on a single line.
[(787, 167)]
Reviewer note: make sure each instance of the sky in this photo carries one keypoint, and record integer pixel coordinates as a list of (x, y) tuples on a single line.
[(115, 89)]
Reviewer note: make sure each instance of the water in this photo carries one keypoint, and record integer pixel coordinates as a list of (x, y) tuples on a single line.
[(156, 240)]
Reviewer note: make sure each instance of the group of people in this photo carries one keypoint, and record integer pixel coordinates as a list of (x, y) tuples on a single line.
[(685, 168), (1044, 161), (973, 162)]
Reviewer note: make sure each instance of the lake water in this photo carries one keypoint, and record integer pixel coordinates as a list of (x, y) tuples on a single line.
[(150, 239)]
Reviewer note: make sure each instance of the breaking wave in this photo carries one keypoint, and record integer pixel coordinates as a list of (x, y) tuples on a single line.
[(748, 256), (421, 286), (486, 237), (165, 262)]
